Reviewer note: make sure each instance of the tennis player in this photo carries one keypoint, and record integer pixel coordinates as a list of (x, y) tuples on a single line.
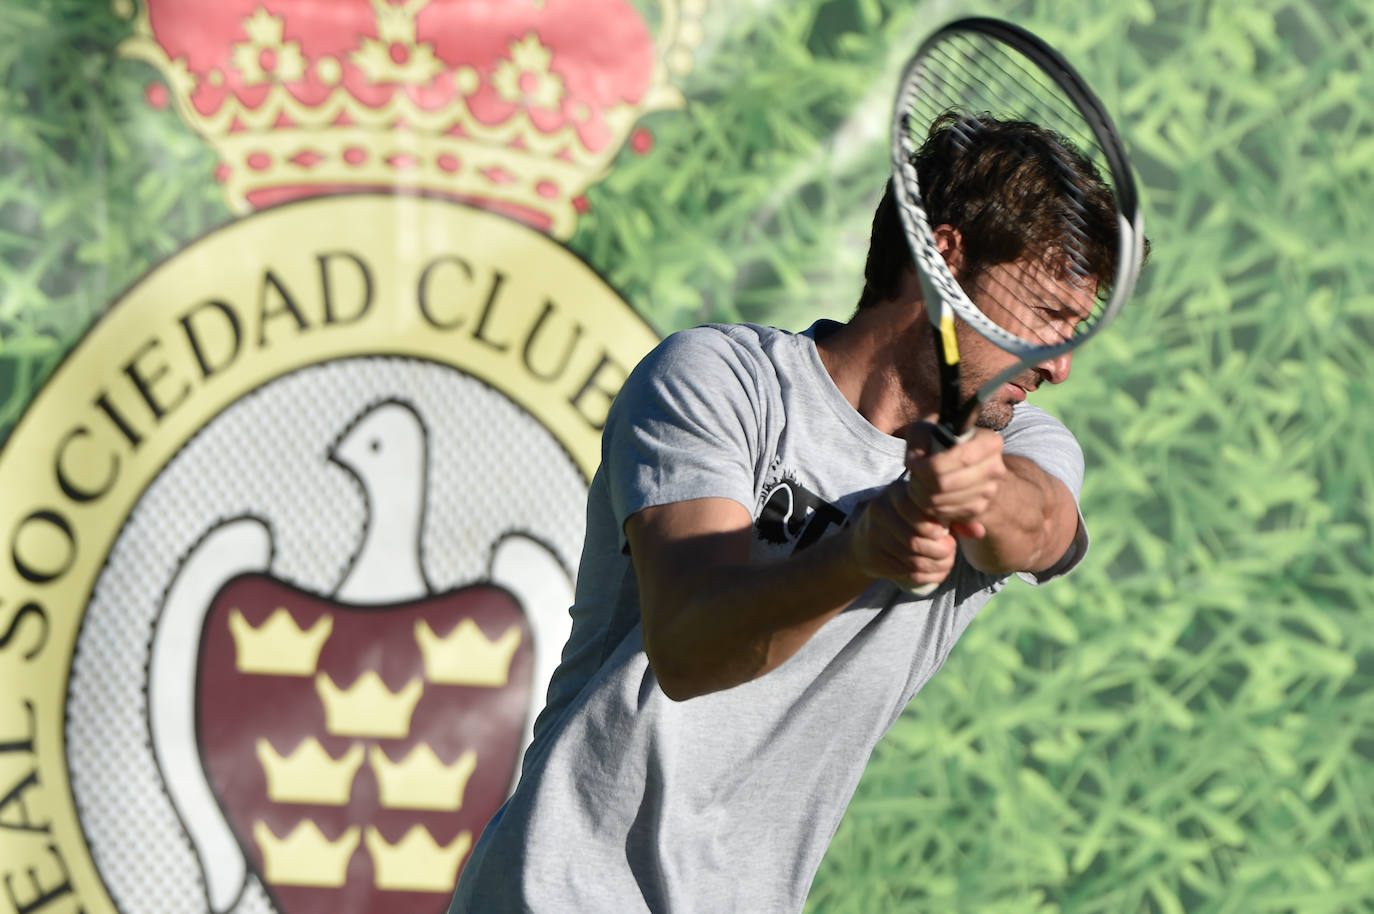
[(744, 632)]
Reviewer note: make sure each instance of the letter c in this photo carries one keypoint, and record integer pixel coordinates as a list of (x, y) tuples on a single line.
[(70, 488)]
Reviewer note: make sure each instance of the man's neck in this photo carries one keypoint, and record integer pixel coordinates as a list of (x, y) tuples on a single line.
[(883, 364)]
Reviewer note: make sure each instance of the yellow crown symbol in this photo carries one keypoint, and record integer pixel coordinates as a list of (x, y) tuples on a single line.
[(279, 646), (523, 126), (368, 707), (466, 656), (416, 863), (305, 856), (309, 775), (421, 781)]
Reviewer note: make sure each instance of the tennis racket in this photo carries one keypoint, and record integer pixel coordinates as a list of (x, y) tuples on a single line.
[(1065, 247)]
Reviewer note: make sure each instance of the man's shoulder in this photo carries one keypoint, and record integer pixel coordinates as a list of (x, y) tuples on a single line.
[(752, 339), (1030, 418), (701, 370), (721, 348), (1039, 436)]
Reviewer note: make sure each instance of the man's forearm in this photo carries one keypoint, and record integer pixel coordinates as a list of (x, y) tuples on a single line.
[(728, 624), (1029, 525), (712, 619)]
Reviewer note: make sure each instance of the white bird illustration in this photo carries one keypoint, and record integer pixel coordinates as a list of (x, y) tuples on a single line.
[(386, 450)]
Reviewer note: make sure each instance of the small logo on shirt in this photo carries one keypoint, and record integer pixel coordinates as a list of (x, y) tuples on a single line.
[(792, 513)]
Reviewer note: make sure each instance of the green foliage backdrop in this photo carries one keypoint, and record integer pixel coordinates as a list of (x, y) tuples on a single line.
[(1185, 724)]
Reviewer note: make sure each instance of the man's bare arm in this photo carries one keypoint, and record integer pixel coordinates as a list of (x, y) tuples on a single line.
[(712, 620), (1010, 514), (1029, 527)]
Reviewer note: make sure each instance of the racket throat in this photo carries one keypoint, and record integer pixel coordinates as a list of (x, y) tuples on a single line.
[(954, 414)]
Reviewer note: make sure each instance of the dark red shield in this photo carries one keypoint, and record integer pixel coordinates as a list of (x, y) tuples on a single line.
[(252, 717)]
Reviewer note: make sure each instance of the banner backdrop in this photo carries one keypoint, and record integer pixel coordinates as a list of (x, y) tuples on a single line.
[(310, 316)]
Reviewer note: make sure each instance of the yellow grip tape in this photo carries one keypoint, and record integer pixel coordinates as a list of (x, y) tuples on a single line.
[(948, 341)]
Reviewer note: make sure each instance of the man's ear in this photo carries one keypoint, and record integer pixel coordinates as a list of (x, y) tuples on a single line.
[(950, 243)]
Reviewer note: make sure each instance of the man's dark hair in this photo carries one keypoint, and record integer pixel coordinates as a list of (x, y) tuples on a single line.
[(1012, 189)]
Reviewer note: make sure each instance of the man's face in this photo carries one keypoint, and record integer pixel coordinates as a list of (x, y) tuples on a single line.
[(1027, 299)]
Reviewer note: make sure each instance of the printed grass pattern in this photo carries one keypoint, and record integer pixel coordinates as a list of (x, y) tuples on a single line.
[(1184, 724)]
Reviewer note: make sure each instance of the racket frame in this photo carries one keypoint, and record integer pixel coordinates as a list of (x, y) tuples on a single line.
[(944, 297)]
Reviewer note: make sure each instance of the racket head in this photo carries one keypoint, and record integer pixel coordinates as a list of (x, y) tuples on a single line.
[(969, 88)]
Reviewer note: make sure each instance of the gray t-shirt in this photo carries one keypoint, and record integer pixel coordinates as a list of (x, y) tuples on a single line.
[(631, 802)]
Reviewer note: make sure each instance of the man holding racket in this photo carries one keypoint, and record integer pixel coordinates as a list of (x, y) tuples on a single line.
[(749, 618)]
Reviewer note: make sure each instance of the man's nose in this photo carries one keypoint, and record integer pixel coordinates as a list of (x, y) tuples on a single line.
[(1055, 370)]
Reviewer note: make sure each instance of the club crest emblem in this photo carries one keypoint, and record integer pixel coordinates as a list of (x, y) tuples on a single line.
[(298, 519), (326, 724)]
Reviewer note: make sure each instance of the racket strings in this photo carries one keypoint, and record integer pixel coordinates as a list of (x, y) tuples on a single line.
[(988, 75), (993, 81), (1036, 305)]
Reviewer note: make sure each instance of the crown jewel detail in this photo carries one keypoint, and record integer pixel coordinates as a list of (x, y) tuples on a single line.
[(517, 106), (368, 707), (279, 646), (466, 656), (309, 774), (306, 856), (416, 863), (421, 780)]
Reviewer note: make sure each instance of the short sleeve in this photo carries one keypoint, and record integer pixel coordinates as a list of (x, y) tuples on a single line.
[(685, 425), (1039, 437)]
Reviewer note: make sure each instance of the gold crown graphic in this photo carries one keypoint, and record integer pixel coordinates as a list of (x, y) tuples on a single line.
[(466, 656), (416, 863), (421, 781), (309, 775), (279, 646), (305, 856), (368, 707), (519, 112)]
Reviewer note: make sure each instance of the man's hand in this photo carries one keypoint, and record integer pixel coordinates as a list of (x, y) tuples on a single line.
[(894, 538), (1008, 514), (956, 487), (908, 533)]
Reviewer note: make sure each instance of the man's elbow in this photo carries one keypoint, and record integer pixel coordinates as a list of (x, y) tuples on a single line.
[(673, 666), (675, 677), (680, 689), (690, 665)]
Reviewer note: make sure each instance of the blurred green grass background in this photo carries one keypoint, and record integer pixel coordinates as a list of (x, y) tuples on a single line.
[(1184, 724)]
